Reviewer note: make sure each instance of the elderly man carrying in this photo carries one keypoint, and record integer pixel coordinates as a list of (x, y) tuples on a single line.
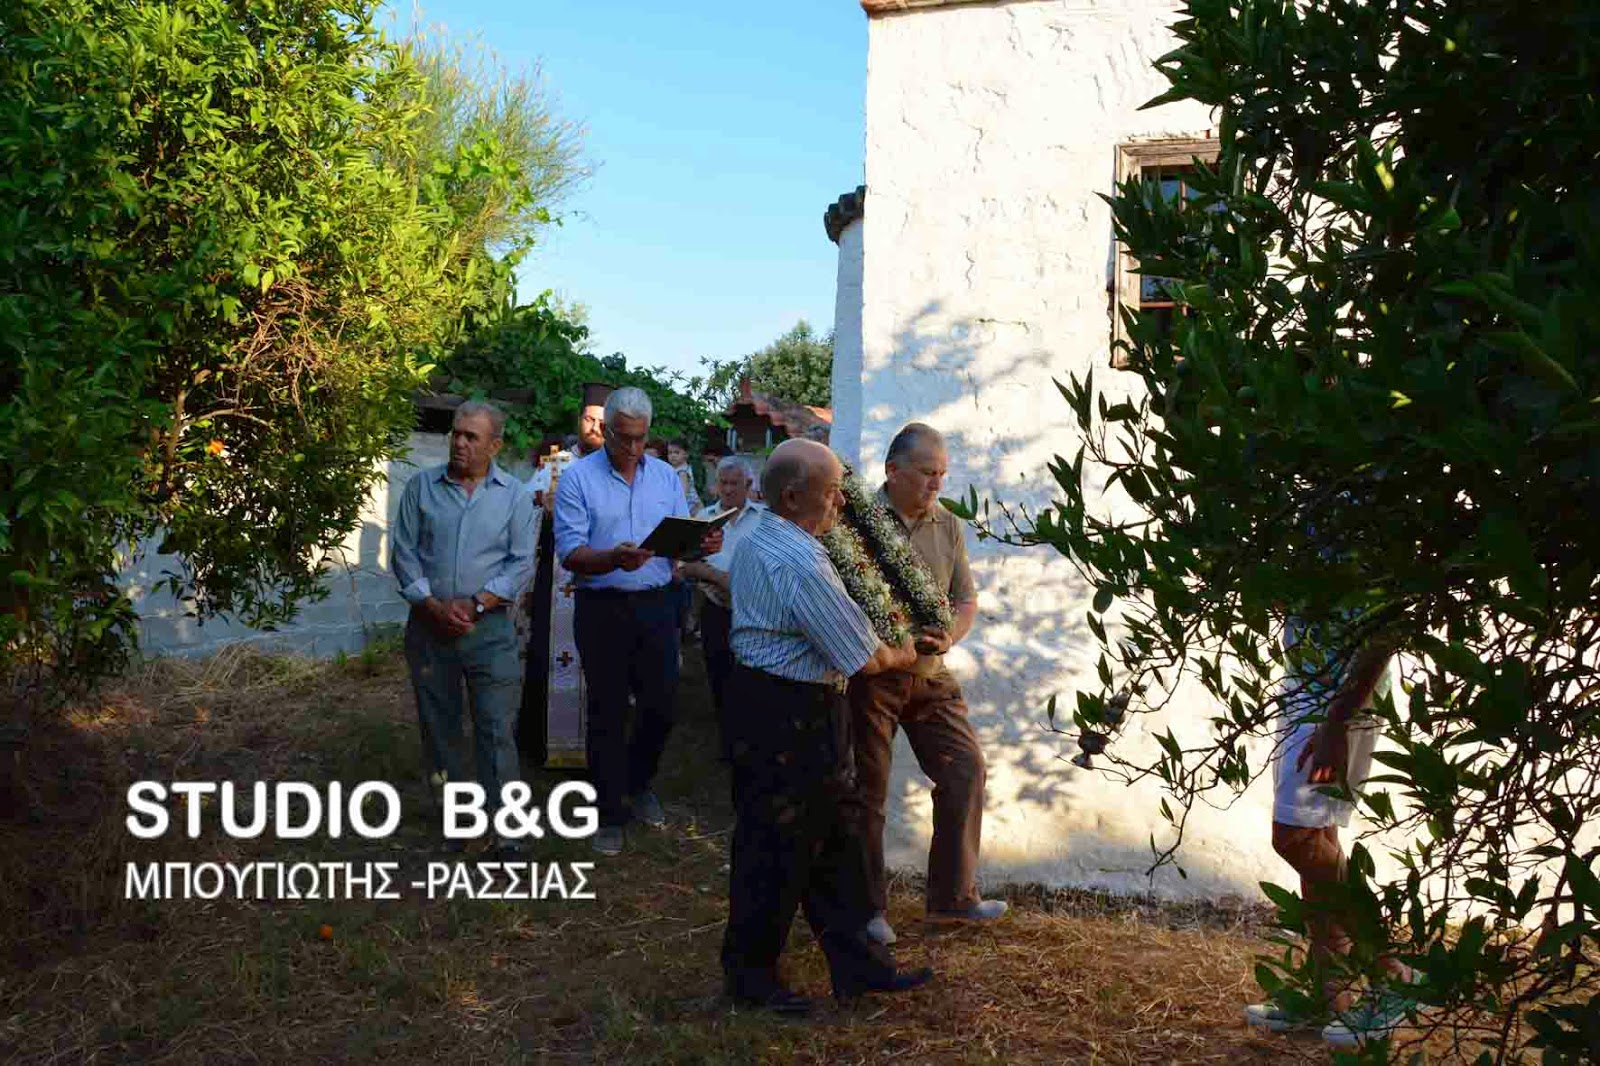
[(797, 636), (626, 621), (925, 701), (716, 619), (463, 550)]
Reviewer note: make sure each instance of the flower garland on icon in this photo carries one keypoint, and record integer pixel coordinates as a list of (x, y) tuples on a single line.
[(879, 569)]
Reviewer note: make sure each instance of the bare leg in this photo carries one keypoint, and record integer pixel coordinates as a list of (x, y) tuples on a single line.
[(1316, 856)]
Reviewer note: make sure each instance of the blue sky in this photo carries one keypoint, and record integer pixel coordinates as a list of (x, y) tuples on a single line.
[(719, 131)]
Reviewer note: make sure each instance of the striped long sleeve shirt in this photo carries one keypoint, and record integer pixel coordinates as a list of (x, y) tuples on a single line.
[(791, 614)]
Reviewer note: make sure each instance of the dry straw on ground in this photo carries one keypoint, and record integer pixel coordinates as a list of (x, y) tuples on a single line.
[(630, 977)]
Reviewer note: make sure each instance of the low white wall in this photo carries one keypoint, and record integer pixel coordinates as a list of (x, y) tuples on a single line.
[(362, 591)]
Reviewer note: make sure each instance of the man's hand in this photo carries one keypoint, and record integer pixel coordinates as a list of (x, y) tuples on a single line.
[(905, 655), (711, 543), (933, 641), (451, 618), (703, 571), (629, 556), (902, 656), (1329, 754)]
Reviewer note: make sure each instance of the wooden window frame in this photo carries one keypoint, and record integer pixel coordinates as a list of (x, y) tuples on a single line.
[(1133, 159)]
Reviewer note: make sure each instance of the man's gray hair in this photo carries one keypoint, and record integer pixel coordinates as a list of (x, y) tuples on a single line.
[(496, 417), (913, 436), (629, 403), (736, 462)]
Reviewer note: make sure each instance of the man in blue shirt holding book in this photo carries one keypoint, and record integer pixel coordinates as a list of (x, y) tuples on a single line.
[(626, 621)]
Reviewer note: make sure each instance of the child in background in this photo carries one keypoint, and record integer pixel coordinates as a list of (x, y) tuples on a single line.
[(678, 456)]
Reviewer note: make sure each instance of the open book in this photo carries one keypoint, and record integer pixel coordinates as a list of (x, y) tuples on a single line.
[(679, 538)]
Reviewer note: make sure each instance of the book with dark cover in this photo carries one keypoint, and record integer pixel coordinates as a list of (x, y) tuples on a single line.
[(678, 537)]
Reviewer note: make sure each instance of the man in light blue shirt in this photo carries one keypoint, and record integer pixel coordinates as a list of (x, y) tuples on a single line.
[(626, 618), (463, 550)]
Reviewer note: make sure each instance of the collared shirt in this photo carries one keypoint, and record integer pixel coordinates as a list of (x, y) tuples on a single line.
[(733, 531), (791, 614), (940, 542), (451, 545), (597, 508)]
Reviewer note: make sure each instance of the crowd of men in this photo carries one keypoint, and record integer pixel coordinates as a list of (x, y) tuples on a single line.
[(808, 698)]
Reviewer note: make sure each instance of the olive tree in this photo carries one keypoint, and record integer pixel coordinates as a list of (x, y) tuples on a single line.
[(1377, 412)]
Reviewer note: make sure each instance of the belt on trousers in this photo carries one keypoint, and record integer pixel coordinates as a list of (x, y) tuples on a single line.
[(806, 688), (619, 594)]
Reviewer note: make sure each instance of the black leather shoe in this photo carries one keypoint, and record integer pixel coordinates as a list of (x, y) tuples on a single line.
[(903, 981), (777, 999)]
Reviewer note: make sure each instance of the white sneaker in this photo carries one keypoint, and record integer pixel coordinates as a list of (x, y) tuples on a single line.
[(880, 930), (1375, 1018), (1273, 1018), (607, 841), (985, 910)]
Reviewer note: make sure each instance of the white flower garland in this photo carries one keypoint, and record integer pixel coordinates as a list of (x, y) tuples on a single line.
[(880, 569), (889, 617)]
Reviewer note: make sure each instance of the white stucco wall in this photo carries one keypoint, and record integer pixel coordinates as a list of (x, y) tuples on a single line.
[(845, 435), (362, 592), (991, 132)]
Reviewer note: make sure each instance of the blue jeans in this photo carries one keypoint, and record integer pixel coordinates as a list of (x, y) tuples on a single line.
[(490, 663)]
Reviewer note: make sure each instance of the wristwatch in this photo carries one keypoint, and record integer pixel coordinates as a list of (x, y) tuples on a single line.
[(478, 605)]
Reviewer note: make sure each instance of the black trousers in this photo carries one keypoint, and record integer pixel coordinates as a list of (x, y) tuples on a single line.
[(628, 642), (796, 843), (716, 625)]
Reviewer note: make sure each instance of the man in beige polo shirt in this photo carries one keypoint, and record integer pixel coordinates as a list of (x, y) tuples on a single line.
[(925, 701)]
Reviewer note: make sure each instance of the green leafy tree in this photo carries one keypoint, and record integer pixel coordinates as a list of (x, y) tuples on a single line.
[(533, 359), (680, 413), (798, 366), (1376, 412), (218, 288)]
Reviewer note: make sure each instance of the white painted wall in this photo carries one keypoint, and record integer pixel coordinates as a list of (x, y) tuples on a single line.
[(362, 592), (845, 435), (991, 132)]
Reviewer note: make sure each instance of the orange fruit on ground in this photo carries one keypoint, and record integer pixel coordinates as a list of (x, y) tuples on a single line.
[(326, 932)]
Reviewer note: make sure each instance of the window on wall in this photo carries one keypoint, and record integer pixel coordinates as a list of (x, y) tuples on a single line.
[(1165, 165)]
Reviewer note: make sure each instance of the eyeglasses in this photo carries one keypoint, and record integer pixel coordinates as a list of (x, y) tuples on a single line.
[(627, 440)]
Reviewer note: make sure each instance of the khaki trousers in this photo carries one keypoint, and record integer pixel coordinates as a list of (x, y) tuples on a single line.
[(934, 716)]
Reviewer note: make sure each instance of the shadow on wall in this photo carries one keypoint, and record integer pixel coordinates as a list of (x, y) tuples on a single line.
[(986, 384)]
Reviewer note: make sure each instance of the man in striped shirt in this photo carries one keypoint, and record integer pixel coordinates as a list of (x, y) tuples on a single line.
[(797, 636)]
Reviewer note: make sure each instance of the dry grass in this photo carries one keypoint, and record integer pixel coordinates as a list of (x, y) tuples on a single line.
[(632, 976)]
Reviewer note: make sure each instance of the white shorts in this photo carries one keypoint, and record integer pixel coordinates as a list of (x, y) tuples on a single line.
[(1295, 801)]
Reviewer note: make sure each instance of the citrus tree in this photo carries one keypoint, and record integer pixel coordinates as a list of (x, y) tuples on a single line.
[(1378, 412), (222, 271)]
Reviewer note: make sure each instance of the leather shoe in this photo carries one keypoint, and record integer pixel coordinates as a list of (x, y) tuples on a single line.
[(775, 998), (903, 981)]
